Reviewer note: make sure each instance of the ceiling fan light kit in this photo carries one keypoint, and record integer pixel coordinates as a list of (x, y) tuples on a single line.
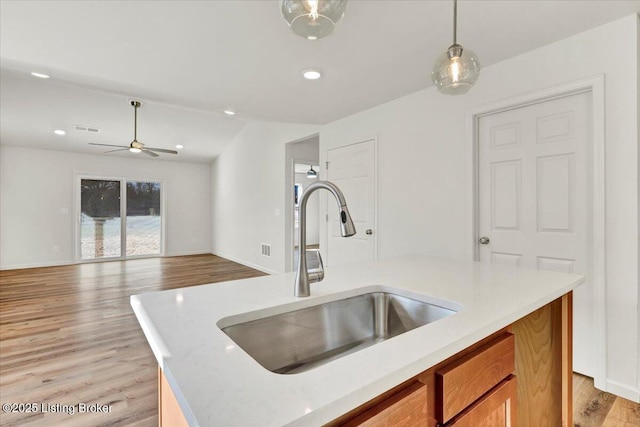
[(135, 146), (456, 70), (313, 19)]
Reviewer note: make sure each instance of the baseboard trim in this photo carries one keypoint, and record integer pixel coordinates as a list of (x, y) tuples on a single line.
[(61, 263), (36, 265), (199, 252), (245, 263), (623, 390)]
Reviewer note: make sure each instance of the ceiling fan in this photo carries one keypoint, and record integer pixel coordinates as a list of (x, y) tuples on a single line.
[(136, 146)]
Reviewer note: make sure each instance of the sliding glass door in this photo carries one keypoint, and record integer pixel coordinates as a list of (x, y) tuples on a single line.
[(144, 223), (100, 228), (119, 218)]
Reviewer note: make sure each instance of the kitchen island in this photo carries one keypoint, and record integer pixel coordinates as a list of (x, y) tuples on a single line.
[(213, 382)]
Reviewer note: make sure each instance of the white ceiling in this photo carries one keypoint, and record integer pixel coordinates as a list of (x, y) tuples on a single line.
[(189, 60)]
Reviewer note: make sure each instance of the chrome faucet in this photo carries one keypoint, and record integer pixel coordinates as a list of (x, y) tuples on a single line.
[(303, 277)]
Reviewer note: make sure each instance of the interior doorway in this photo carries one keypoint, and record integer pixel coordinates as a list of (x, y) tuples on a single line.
[(564, 164), (353, 169), (303, 168), (533, 192), (306, 173)]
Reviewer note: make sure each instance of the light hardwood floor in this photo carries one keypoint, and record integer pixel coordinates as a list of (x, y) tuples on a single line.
[(595, 408), (68, 336)]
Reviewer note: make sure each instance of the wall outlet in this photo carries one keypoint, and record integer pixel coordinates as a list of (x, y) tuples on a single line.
[(56, 248), (277, 212)]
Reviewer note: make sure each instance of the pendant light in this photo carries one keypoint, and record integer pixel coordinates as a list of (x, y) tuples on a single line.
[(311, 173), (313, 19), (456, 70)]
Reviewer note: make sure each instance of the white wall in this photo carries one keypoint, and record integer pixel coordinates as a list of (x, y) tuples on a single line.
[(244, 204), (421, 185), (36, 184), (306, 149)]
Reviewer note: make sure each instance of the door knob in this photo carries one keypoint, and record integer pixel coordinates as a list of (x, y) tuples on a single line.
[(369, 231), (484, 240)]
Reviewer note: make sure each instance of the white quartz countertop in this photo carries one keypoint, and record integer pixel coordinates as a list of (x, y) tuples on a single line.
[(217, 384)]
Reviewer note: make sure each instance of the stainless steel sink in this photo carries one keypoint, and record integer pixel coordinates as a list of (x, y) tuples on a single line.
[(299, 340)]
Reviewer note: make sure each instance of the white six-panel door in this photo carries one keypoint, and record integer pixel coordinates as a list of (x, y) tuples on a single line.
[(534, 196), (352, 169)]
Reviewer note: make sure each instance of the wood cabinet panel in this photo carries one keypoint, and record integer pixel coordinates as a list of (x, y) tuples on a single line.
[(462, 382), (495, 409), (170, 414), (543, 365), (407, 408)]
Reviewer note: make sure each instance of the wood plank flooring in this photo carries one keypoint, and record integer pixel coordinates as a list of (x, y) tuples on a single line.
[(68, 336), (595, 408)]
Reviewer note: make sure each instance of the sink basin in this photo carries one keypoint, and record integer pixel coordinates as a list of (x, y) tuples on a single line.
[(299, 340)]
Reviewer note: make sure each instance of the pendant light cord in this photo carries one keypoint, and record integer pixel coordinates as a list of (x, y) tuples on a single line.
[(455, 20), (135, 122)]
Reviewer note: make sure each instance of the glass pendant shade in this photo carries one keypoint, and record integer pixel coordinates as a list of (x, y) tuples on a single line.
[(313, 19), (456, 70)]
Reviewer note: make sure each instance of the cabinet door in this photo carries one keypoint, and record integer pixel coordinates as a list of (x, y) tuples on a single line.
[(407, 408), (497, 408)]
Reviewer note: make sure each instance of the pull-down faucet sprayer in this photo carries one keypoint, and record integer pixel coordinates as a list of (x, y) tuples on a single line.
[(303, 277)]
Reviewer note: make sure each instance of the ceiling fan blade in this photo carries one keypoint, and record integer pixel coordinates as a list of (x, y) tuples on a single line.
[(119, 149), (109, 145), (162, 150), (151, 153)]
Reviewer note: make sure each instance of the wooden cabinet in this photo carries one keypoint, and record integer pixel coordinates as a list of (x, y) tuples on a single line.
[(497, 408), (474, 388), (472, 378), (169, 414), (465, 380), (406, 408), (521, 372)]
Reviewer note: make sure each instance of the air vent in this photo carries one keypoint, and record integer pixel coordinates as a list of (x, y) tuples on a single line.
[(266, 249), (86, 129)]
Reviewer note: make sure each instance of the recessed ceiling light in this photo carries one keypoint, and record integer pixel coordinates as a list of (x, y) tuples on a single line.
[(59, 132), (40, 75), (229, 112), (179, 146), (311, 74)]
